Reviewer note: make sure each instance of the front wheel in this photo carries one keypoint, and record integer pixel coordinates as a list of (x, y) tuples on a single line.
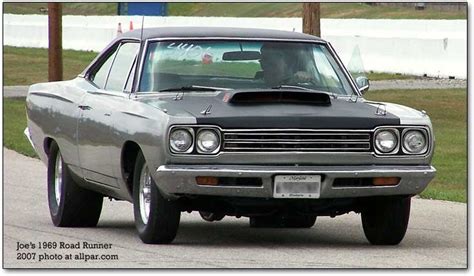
[(156, 218), (69, 204), (385, 220)]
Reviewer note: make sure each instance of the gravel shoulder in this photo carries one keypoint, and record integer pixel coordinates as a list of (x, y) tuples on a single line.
[(425, 83)]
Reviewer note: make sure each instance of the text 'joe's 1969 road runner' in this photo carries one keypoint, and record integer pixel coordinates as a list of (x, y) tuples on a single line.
[(225, 121)]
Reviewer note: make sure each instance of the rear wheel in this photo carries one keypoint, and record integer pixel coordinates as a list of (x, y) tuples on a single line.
[(156, 218), (69, 204), (385, 220), (274, 221)]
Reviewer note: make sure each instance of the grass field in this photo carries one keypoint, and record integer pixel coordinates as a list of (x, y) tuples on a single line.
[(14, 123), (328, 10), (16, 73), (446, 107)]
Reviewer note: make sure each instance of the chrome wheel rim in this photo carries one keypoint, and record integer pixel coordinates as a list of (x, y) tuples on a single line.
[(145, 194), (58, 179)]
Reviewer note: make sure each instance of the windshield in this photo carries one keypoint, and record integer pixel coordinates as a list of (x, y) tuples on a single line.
[(235, 64)]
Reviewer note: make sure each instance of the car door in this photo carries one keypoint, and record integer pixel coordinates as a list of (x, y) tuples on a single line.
[(95, 123)]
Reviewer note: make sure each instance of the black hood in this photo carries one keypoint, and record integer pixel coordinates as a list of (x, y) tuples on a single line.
[(340, 113)]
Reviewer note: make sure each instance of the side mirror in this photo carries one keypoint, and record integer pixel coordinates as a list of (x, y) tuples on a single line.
[(362, 84)]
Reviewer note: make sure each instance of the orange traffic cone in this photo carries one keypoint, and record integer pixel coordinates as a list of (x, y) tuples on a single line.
[(119, 29), (131, 26)]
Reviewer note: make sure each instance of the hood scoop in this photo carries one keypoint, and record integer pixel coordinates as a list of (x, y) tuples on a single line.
[(269, 97)]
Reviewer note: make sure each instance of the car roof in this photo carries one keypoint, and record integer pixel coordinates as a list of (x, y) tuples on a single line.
[(217, 32)]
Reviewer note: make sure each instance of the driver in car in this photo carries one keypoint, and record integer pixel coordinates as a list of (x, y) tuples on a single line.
[(277, 66)]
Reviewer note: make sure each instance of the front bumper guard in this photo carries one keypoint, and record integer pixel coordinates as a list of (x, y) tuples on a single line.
[(176, 180)]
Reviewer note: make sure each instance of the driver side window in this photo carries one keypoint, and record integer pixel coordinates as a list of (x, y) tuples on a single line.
[(114, 72), (99, 78)]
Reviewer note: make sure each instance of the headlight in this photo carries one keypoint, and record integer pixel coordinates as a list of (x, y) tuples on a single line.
[(207, 141), (181, 140), (386, 141), (415, 142)]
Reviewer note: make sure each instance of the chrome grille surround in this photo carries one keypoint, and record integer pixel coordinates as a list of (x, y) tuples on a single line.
[(296, 140)]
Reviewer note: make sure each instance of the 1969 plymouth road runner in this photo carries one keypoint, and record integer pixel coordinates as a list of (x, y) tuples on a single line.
[(229, 122)]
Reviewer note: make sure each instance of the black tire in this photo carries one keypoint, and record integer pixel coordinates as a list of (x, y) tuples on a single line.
[(77, 206), (385, 220), (210, 217), (274, 221), (164, 215)]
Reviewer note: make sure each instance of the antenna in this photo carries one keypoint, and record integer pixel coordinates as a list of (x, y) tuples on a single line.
[(141, 32)]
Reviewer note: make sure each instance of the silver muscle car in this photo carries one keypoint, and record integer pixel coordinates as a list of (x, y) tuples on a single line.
[(228, 122)]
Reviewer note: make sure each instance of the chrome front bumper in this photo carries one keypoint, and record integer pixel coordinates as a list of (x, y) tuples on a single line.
[(175, 180)]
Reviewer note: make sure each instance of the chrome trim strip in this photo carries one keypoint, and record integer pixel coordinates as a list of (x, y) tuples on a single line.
[(296, 140), (138, 81), (236, 38), (314, 150)]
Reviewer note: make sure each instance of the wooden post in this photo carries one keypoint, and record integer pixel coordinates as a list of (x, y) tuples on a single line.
[(311, 19), (55, 58)]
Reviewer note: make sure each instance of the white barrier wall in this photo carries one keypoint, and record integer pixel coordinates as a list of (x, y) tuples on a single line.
[(432, 47)]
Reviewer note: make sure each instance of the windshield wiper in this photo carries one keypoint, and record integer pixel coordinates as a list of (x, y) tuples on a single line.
[(283, 86), (194, 88)]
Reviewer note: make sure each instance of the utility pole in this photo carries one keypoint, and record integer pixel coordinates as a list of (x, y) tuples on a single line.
[(311, 19), (55, 58)]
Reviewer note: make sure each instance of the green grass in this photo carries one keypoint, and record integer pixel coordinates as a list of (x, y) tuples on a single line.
[(14, 123), (328, 10), (448, 110), (376, 76), (68, 8), (16, 73)]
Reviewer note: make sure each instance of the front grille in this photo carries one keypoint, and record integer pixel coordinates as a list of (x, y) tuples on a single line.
[(296, 140)]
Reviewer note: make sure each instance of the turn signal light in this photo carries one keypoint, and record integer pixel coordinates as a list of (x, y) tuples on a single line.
[(386, 181), (207, 180)]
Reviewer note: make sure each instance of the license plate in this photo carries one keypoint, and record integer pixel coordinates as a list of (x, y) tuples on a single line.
[(297, 186)]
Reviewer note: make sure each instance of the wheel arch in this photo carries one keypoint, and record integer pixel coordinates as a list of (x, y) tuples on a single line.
[(47, 144), (128, 158)]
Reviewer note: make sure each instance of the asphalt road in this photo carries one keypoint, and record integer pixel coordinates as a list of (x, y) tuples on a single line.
[(436, 238)]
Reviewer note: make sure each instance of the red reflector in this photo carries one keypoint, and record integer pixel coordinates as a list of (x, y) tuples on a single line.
[(207, 180), (386, 181)]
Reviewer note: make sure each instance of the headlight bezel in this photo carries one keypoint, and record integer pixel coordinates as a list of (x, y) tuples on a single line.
[(424, 132), (219, 140), (190, 131), (430, 141), (396, 149)]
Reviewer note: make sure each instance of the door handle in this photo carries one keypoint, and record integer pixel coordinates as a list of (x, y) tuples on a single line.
[(84, 107)]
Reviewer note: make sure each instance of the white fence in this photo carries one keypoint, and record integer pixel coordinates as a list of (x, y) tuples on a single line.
[(431, 47)]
